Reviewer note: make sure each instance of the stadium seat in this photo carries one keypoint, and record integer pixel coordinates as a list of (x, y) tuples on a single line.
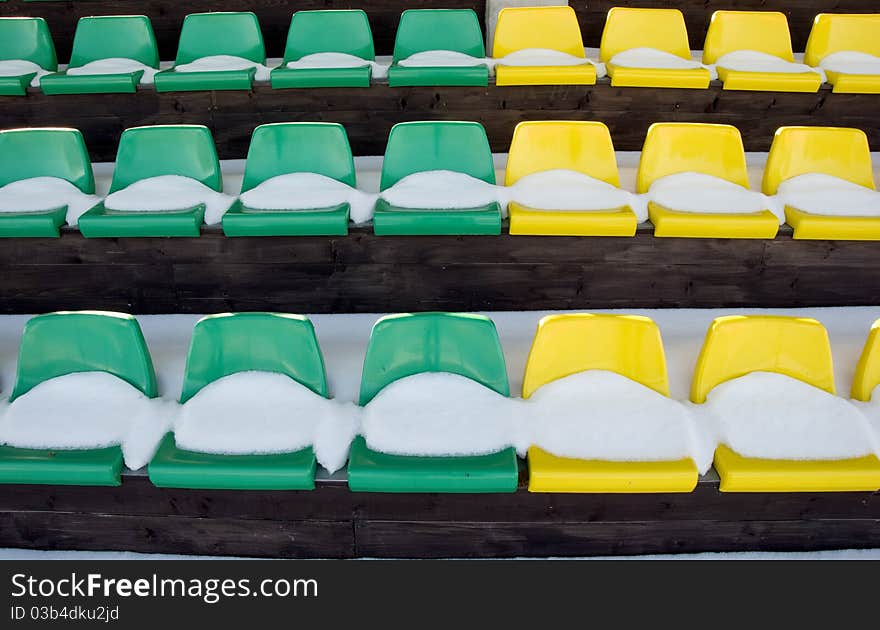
[(57, 344), (554, 28), (143, 153), (836, 151), (209, 34), (793, 346), (105, 37), (761, 31), (833, 33), (712, 149), (574, 145), (280, 148), (27, 39), (421, 30), (49, 152), (867, 375), (322, 32), (414, 147), (663, 29), (629, 345), (408, 344), (238, 342)]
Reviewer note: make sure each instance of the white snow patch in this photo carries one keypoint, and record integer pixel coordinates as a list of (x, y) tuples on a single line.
[(545, 57), (702, 193), (18, 67), (657, 59), (170, 193), (441, 59), (338, 60), (115, 65), (755, 61), (218, 63), (39, 194), (819, 193), (851, 62), (441, 190)]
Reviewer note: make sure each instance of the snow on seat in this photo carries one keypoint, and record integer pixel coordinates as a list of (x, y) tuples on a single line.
[(405, 345), (540, 28), (278, 150), (702, 152), (111, 54), (661, 54), (144, 153), (824, 178), (54, 346), (312, 35), (847, 48), (736, 355), (217, 51), (583, 147), (26, 53), (752, 51), (418, 147), (436, 31)]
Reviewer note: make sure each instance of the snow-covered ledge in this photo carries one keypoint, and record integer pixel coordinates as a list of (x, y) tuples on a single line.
[(493, 8)]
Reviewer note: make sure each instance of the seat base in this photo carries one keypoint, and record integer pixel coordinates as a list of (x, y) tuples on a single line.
[(32, 224), (371, 471), (824, 227), (242, 221), (392, 220), (172, 467), (86, 467), (697, 78), (62, 83), (546, 75), (672, 223), (401, 76), (102, 223), (172, 81), (854, 83), (17, 85), (283, 77), (613, 222), (770, 81)]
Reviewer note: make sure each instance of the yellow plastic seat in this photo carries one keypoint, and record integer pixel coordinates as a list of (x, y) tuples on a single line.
[(716, 150), (761, 31), (837, 151), (663, 29), (580, 146), (867, 375), (794, 346), (833, 33), (555, 28), (629, 345)]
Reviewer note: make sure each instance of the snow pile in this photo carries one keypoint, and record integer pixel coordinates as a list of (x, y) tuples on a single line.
[(170, 193), (441, 59), (115, 65), (317, 61), (19, 67), (40, 194), (545, 57), (441, 190), (218, 63), (87, 410), (851, 62), (308, 191), (818, 193), (755, 61), (699, 192), (656, 59)]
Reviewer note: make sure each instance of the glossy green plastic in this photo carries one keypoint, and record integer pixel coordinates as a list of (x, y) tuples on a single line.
[(326, 31), (29, 39), (208, 34), (281, 148), (145, 152), (105, 37), (87, 467), (438, 29), (55, 152)]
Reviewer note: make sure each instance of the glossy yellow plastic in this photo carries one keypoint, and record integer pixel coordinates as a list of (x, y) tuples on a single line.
[(672, 223), (761, 31), (837, 32), (555, 28), (867, 375), (663, 29)]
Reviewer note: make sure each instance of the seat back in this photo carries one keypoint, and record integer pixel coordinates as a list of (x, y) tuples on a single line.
[(62, 343), (626, 28), (836, 151), (582, 146), (568, 344), (329, 31), (186, 150), (867, 375), (129, 36), (280, 148), (239, 342), (412, 343), (45, 152), (207, 34), (738, 345), (763, 31), (555, 28), (697, 147), (833, 33), (29, 39), (438, 29), (414, 147)]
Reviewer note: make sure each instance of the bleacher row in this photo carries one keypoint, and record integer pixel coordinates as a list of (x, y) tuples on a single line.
[(519, 31)]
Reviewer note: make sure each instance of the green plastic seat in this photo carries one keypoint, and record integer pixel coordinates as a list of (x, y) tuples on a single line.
[(208, 34), (36, 152), (57, 344), (280, 148), (28, 39), (438, 29), (230, 343), (404, 345), (186, 150), (436, 145), (105, 37), (320, 32)]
